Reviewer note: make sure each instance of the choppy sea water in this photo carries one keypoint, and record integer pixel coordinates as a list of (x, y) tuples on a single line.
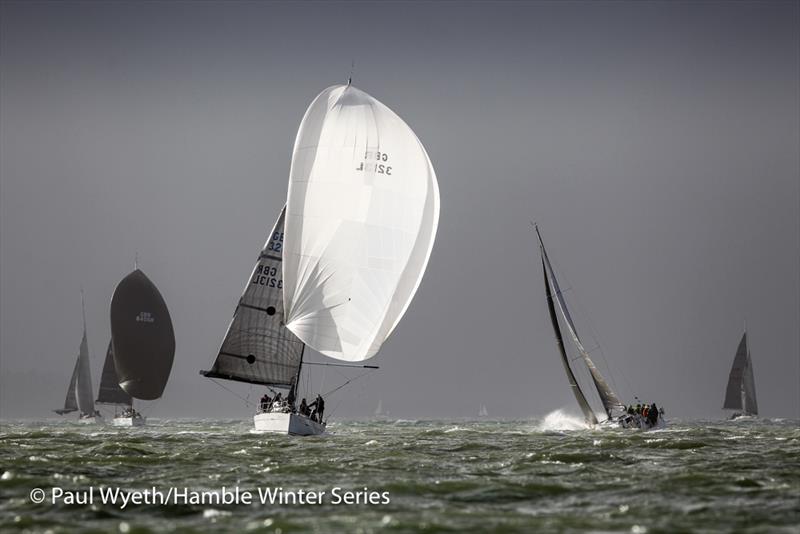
[(441, 476)]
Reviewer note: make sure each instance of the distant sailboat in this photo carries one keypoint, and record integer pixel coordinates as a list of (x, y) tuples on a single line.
[(482, 411), (79, 392), (380, 412), (614, 409), (142, 342), (360, 221), (740, 395)]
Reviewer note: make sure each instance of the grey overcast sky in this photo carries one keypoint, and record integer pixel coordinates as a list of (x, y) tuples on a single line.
[(656, 144)]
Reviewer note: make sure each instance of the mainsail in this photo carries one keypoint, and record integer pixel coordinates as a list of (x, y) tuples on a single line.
[(258, 348), (142, 337), (79, 393), (110, 392), (362, 213), (741, 391), (608, 398)]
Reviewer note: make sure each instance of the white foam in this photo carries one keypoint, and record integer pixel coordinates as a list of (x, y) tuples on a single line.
[(559, 420)]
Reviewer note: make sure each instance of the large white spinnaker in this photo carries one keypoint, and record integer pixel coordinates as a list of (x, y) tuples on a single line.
[(361, 219)]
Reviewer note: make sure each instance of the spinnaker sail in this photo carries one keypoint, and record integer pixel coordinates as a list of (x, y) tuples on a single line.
[(361, 219), (142, 337)]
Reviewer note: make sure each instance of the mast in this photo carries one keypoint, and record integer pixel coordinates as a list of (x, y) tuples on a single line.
[(588, 413)]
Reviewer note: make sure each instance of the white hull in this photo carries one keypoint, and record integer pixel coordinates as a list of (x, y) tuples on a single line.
[(96, 420), (128, 421), (287, 423)]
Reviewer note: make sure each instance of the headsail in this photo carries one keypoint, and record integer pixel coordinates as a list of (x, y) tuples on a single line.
[(143, 338), (83, 384), (741, 391), (362, 213), (588, 413), (110, 392), (70, 403), (258, 348), (607, 396)]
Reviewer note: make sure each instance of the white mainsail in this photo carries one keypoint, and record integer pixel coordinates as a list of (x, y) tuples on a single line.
[(361, 219)]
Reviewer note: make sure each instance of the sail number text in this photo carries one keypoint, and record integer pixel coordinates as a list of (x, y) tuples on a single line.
[(276, 243), (375, 161), (267, 276)]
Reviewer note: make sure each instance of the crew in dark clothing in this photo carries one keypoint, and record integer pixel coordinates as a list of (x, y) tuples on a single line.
[(653, 414), (265, 400), (630, 410), (304, 410), (291, 398), (319, 408)]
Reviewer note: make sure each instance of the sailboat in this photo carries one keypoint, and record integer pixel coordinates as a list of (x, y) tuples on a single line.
[(740, 395), (614, 410), (259, 349), (344, 259), (79, 392), (110, 393), (482, 411), (142, 342)]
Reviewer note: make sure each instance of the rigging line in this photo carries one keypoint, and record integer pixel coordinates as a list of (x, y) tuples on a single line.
[(343, 385), (246, 401), (592, 331)]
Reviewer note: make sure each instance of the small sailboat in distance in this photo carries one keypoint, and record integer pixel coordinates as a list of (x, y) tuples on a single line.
[(482, 411), (740, 395), (79, 392), (615, 411), (142, 342), (110, 393)]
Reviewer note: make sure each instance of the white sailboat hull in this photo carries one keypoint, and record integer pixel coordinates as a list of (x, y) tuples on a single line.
[(94, 420), (288, 424), (128, 421)]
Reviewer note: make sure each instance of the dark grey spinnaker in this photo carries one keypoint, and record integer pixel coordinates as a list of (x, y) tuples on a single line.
[(143, 341), (741, 391), (110, 391), (79, 393), (258, 348)]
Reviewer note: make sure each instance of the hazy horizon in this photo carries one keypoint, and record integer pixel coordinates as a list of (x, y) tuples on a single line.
[(655, 144)]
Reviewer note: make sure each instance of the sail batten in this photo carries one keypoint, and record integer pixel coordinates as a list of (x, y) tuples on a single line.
[(257, 347)]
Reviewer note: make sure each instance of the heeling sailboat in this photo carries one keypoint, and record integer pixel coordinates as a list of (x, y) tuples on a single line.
[(259, 349), (110, 393), (360, 221), (79, 393), (740, 395), (142, 342), (614, 409)]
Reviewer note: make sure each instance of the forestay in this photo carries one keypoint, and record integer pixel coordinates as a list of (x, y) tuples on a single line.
[(258, 348), (363, 208)]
